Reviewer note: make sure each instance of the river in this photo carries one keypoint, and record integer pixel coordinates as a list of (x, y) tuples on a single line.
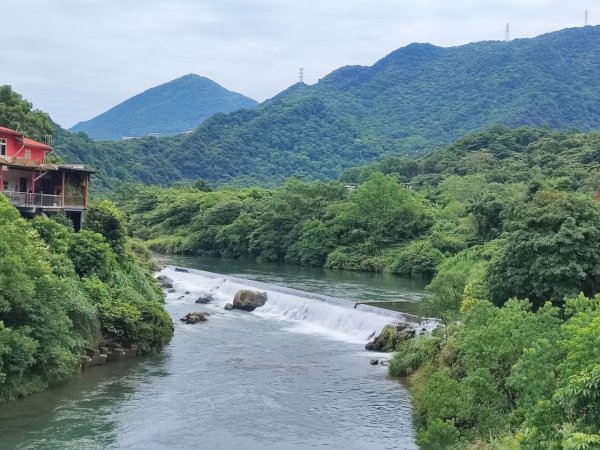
[(382, 289), (291, 375)]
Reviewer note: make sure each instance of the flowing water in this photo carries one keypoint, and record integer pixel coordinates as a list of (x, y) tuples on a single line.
[(389, 291), (291, 375)]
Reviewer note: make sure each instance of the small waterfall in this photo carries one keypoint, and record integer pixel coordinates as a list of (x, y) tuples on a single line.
[(306, 311)]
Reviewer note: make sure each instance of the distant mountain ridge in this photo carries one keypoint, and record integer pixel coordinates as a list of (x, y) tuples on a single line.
[(415, 100), (171, 108)]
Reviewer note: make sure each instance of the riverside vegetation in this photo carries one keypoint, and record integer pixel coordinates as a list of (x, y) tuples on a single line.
[(505, 225), (62, 292)]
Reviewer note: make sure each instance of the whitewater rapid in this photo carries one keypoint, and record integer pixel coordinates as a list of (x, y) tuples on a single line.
[(306, 312)]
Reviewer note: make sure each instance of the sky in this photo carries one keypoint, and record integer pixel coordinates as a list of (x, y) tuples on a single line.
[(74, 59)]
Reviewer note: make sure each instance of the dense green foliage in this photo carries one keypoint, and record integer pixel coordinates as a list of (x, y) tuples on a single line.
[(62, 292), (174, 107), (372, 227), (526, 379), (118, 162), (457, 202)]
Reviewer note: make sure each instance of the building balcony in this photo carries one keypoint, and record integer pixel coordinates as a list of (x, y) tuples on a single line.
[(44, 201)]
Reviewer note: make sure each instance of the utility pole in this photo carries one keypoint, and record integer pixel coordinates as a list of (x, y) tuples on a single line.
[(507, 33), (586, 21)]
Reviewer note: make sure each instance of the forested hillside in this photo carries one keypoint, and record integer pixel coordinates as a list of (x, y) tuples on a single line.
[(171, 108), (457, 198), (505, 226), (414, 100)]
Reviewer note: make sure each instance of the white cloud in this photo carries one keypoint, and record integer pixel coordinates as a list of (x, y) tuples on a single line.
[(77, 58)]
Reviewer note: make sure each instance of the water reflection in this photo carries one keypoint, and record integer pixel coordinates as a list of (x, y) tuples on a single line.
[(80, 412)]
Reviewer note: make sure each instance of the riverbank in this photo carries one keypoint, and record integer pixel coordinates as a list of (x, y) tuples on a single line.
[(64, 292)]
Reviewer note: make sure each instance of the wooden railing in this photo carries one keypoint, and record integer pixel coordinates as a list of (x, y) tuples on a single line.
[(26, 199)]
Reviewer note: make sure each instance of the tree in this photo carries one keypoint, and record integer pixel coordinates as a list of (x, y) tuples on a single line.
[(202, 185), (105, 218), (15, 112), (91, 255), (385, 211), (552, 250)]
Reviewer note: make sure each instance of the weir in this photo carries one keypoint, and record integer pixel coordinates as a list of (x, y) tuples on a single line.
[(310, 312)]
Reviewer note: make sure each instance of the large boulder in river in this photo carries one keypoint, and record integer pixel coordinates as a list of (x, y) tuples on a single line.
[(194, 317), (390, 337), (247, 300)]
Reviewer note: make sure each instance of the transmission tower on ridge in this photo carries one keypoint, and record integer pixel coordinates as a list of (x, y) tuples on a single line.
[(507, 32), (586, 21), (301, 81)]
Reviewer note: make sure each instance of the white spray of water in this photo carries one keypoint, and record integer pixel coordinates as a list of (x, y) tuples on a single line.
[(307, 312)]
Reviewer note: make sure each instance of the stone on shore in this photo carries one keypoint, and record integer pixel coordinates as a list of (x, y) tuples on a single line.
[(247, 300)]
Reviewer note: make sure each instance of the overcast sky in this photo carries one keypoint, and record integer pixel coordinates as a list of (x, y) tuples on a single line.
[(77, 58)]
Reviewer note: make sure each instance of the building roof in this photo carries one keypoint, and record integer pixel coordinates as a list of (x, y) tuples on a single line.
[(32, 143), (26, 140), (8, 130), (76, 167)]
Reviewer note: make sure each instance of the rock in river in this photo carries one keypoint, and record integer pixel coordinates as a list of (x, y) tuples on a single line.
[(204, 298), (228, 307), (247, 300), (195, 317), (390, 336), (165, 281)]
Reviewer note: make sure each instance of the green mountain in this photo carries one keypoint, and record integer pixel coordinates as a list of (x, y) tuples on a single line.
[(174, 107), (415, 100), (418, 98)]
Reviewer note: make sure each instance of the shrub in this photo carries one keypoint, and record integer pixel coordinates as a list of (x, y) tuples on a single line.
[(104, 218), (418, 259), (413, 354), (439, 435), (91, 255)]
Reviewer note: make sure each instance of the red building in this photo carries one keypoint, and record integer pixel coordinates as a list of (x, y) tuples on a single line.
[(35, 186)]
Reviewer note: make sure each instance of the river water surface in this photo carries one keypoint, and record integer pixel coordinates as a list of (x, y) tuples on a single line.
[(291, 375)]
